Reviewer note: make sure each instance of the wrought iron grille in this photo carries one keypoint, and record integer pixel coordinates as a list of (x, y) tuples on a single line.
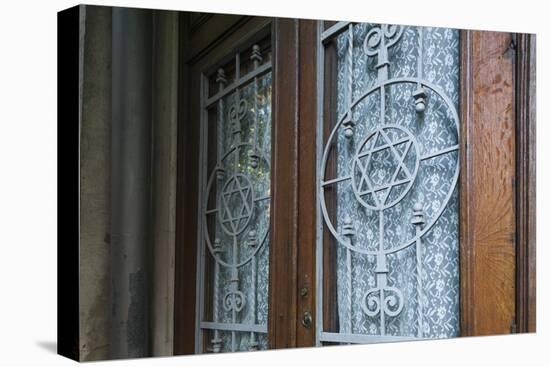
[(235, 204), (387, 179)]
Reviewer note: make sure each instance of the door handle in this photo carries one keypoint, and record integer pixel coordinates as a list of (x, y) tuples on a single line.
[(307, 319)]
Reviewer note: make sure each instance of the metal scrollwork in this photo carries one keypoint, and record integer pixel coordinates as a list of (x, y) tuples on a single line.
[(387, 299), (237, 112), (399, 147), (380, 39), (232, 207), (234, 301)]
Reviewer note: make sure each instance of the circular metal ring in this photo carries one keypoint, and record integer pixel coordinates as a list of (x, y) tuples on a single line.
[(244, 147), (339, 237)]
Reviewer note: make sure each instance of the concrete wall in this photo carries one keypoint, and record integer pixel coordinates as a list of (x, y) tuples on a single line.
[(95, 180), (165, 92), (95, 183)]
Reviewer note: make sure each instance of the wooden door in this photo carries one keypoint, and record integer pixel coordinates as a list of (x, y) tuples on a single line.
[(496, 184)]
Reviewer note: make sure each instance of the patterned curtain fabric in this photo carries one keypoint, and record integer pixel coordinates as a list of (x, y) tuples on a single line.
[(432, 131)]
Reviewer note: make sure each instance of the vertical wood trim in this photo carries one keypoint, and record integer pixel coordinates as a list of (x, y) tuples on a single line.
[(488, 213), (330, 317), (186, 204), (466, 248), (525, 195), (307, 163), (283, 251)]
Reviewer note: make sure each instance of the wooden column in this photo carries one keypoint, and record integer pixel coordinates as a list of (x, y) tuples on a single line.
[(488, 171)]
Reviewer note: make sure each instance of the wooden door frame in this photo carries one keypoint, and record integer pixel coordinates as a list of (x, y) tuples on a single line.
[(517, 114), (200, 50), (293, 236), (526, 182)]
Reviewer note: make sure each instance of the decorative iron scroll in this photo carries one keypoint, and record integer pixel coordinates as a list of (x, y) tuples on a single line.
[(234, 211), (382, 143)]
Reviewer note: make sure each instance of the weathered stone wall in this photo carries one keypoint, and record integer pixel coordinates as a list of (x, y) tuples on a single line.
[(165, 92), (95, 180), (96, 303)]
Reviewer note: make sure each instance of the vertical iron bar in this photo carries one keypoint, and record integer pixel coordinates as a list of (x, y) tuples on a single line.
[(348, 263), (417, 221), (319, 247), (419, 284), (256, 58), (234, 271), (420, 53), (201, 247), (216, 341), (381, 271), (234, 288), (350, 68), (252, 342), (349, 118)]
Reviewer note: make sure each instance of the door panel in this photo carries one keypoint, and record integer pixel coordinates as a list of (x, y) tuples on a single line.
[(449, 271), (199, 62), (488, 229)]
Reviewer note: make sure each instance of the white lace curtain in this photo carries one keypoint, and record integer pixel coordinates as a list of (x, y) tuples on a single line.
[(433, 130)]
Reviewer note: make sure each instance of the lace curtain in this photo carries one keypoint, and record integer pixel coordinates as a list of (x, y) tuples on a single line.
[(437, 49), (242, 121)]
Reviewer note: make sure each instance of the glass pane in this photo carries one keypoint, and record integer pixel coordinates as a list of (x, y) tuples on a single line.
[(236, 208), (394, 220)]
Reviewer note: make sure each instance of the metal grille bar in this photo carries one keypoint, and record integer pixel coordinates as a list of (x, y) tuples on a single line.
[(362, 338), (239, 83)]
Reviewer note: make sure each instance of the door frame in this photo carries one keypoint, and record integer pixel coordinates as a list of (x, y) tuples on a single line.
[(292, 279)]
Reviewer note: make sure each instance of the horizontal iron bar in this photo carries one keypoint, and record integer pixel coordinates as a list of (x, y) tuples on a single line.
[(386, 186), (263, 198), (334, 31), (363, 339), (335, 180), (382, 147), (225, 326), (440, 152), (263, 69)]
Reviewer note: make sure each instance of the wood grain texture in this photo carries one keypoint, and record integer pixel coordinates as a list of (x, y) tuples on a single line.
[(307, 180), (330, 245), (525, 195), (186, 202), (283, 251), (488, 213), (206, 56)]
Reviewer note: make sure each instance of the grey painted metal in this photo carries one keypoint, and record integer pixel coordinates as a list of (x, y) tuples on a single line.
[(332, 31), (319, 181), (362, 338), (332, 137), (131, 181), (225, 326), (239, 83), (235, 184), (199, 308), (381, 300), (418, 221)]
